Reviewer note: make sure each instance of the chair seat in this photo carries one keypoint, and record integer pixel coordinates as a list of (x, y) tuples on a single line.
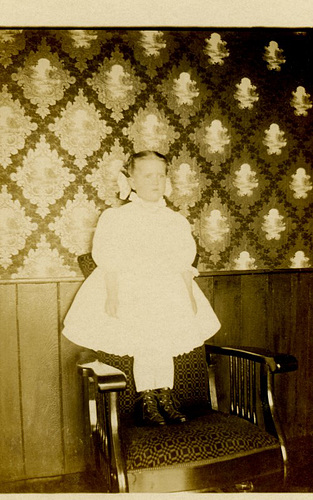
[(208, 438)]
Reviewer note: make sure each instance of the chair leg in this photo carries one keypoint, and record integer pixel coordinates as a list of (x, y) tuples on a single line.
[(118, 468)]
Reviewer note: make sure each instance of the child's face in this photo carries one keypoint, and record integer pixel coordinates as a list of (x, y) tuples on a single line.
[(149, 178)]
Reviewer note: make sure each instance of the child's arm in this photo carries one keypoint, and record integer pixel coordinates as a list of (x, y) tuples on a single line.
[(111, 303), (188, 277)]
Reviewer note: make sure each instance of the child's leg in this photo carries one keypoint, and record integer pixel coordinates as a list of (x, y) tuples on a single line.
[(154, 378), (153, 371)]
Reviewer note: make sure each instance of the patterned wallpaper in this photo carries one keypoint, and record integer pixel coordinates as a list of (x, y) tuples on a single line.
[(232, 109)]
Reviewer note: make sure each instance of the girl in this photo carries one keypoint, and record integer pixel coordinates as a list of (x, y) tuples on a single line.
[(141, 299)]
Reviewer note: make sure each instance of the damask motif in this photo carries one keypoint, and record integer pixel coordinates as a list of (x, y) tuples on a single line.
[(300, 184), (152, 48), (245, 254), (275, 146), (273, 225), (43, 261), (244, 261), (301, 101), (245, 182), (42, 176), (15, 126), (152, 42), (274, 139), (11, 42), (82, 44), (151, 130), (298, 255), (105, 177), (215, 49), (80, 129), (214, 139), (273, 55), (297, 186), (15, 227), (246, 94), (116, 84), (187, 181), (213, 228), (299, 260), (185, 91), (43, 79), (76, 224)]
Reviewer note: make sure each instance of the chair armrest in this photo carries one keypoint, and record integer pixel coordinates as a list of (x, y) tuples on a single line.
[(244, 392), (106, 377), (103, 404), (277, 363)]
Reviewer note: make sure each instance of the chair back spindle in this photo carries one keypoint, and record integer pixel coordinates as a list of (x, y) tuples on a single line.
[(242, 376)]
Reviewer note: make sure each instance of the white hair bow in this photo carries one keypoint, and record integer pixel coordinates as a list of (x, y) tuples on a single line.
[(125, 189), (123, 185)]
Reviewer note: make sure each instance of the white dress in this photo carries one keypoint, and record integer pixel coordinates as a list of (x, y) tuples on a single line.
[(148, 247)]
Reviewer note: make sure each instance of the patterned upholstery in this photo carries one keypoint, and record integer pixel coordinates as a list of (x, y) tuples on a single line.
[(209, 437), (191, 379), (125, 364), (190, 382), (86, 264)]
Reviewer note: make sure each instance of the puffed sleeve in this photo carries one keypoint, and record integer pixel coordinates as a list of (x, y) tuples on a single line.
[(107, 246)]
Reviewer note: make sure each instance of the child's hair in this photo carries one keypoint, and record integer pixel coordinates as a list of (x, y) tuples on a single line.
[(131, 163)]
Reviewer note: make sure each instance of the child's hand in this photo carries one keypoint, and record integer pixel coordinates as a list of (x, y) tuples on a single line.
[(111, 306)]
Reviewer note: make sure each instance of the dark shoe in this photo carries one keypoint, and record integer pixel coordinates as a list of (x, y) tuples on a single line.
[(147, 409), (168, 408)]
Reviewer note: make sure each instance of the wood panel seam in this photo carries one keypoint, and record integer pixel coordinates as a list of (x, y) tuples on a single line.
[(60, 377), (20, 375)]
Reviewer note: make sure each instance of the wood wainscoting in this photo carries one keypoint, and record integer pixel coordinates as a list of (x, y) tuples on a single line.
[(40, 403)]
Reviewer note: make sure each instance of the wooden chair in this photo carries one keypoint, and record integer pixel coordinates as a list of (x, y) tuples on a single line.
[(233, 438)]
